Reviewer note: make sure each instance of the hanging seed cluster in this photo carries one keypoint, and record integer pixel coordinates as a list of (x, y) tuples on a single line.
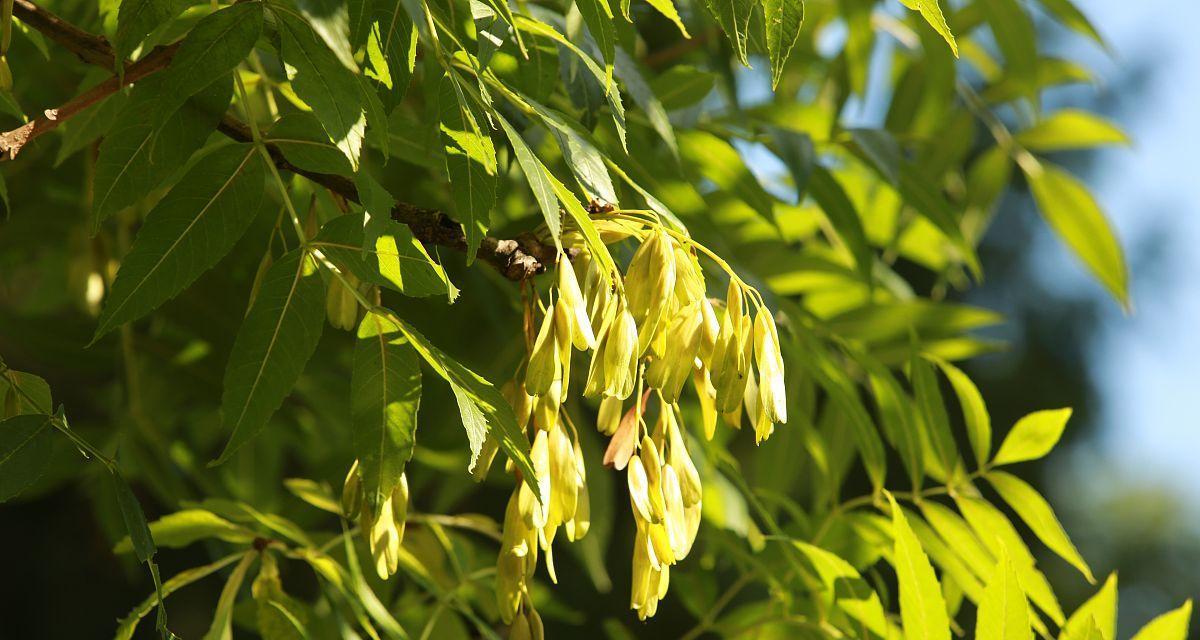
[(646, 336)]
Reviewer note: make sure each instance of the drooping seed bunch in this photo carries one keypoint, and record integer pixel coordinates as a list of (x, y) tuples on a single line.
[(648, 332), (382, 525)]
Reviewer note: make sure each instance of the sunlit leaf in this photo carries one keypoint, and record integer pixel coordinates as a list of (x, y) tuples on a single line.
[(1003, 613), (1033, 436), (1070, 129), (1172, 625), (922, 608), (1036, 512), (1098, 615)]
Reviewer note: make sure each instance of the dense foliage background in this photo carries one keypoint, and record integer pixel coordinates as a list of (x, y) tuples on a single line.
[(858, 231)]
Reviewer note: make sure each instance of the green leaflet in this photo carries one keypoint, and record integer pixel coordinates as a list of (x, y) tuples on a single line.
[(397, 261), (1033, 436), (839, 210), (1036, 512), (682, 86), (26, 384), (186, 233), (954, 568), (134, 160), (179, 529), (994, 529), (222, 624), (536, 174), (1098, 615), (93, 122), (1003, 613), (1172, 625), (1066, 12), (182, 579), (391, 42), (325, 84), (272, 346), (137, 18), (667, 9), (280, 617), (901, 431), (783, 19), (385, 393), (734, 18), (470, 164), (212, 49), (846, 589), (1014, 33), (627, 70), (482, 408), (299, 137), (922, 609), (611, 93), (933, 414), (598, 16), (932, 13), (958, 536), (1075, 216), (1070, 129), (25, 450), (975, 415), (330, 20), (140, 537)]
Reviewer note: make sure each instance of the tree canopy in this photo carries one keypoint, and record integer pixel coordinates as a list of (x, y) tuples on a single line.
[(445, 318)]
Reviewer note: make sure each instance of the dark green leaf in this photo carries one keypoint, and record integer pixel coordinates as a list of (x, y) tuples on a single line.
[(135, 520), (274, 343), (137, 18), (186, 233), (397, 261), (304, 144), (134, 160), (682, 86), (470, 165), (734, 18), (213, 48), (385, 393), (25, 450), (325, 84)]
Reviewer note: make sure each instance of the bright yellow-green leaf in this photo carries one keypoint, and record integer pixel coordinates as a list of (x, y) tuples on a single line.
[(1096, 616), (1003, 613), (1172, 625), (1071, 129), (975, 414), (1036, 512), (846, 589), (922, 608), (1033, 436), (994, 529), (932, 12), (1075, 216)]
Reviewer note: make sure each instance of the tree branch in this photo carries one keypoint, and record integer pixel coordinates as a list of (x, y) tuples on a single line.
[(517, 259)]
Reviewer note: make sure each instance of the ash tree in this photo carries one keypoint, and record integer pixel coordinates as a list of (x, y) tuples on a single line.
[(457, 309)]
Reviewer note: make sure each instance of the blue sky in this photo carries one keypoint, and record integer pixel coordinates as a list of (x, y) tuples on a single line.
[(1147, 365)]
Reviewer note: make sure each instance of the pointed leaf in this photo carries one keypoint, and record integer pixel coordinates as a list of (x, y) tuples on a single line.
[(1074, 215), (186, 233), (470, 165), (536, 175), (1037, 513), (397, 261), (846, 589), (324, 83), (1033, 436), (922, 609), (734, 18), (932, 12), (975, 415), (182, 528), (1172, 625), (25, 450), (1003, 613), (274, 343), (134, 160), (1098, 615), (783, 19), (135, 520), (385, 393), (1071, 129), (137, 18), (213, 48)]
